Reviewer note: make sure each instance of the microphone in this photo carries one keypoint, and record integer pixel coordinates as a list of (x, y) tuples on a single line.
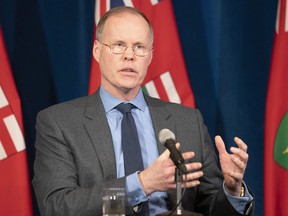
[(167, 138)]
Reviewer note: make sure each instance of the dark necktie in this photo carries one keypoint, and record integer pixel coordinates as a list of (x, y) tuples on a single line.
[(130, 143), (131, 147)]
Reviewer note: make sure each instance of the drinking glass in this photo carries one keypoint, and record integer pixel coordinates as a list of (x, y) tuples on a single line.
[(114, 201)]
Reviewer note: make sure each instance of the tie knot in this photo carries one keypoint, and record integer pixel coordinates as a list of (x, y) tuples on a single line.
[(125, 107)]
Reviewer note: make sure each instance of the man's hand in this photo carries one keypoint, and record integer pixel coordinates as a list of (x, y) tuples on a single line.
[(233, 165), (160, 175)]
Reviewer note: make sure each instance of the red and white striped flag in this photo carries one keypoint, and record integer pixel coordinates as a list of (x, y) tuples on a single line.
[(167, 76), (276, 122), (15, 194)]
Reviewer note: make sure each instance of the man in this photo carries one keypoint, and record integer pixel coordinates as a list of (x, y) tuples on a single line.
[(78, 143)]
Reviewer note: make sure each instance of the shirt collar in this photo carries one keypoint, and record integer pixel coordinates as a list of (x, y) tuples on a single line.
[(110, 102)]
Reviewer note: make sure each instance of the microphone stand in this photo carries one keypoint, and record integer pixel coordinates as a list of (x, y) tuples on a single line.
[(179, 210)]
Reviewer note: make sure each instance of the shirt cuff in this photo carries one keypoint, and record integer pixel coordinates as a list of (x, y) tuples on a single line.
[(239, 203), (135, 192)]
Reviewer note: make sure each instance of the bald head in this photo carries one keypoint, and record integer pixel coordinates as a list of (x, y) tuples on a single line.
[(118, 11)]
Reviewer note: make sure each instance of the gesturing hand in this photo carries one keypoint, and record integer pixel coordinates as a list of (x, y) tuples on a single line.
[(233, 165), (160, 175)]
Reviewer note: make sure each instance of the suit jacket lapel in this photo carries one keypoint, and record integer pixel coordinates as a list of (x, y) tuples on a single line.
[(99, 131), (161, 118)]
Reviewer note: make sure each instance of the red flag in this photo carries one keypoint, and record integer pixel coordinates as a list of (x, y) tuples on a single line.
[(167, 75), (276, 122), (15, 196)]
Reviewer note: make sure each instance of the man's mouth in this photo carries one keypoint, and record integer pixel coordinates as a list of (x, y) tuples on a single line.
[(128, 70)]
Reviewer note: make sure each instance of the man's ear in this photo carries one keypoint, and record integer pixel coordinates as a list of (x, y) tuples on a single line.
[(96, 50), (151, 57)]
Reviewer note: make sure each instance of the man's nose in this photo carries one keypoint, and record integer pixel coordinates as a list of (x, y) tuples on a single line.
[(129, 54)]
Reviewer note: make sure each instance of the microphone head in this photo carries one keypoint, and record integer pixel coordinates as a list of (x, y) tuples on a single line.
[(164, 135)]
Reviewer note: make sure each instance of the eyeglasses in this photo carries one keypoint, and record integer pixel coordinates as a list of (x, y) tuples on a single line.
[(120, 48)]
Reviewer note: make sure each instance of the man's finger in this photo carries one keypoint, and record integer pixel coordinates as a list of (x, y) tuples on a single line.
[(240, 153), (188, 155), (241, 144), (220, 145)]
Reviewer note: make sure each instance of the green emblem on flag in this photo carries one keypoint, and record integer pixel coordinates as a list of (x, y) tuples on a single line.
[(281, 143)]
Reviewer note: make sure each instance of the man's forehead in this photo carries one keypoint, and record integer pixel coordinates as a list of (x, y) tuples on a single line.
[(116, 21)]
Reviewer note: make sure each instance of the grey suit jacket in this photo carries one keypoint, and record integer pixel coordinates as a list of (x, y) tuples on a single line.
[(75, 158)]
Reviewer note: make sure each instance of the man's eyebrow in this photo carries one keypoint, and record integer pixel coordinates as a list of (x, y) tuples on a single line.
[(123, 42), (138, 43), (119, 41)]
